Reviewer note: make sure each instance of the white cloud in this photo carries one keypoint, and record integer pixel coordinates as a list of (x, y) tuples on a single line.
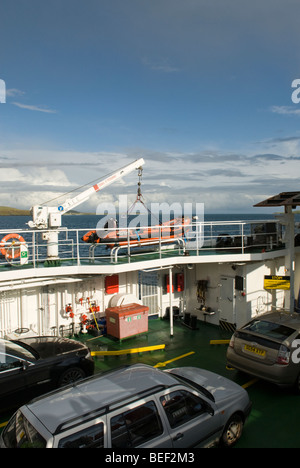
[(12, 92), (162, 65), (44, 176), (25, 186), (225, 181), (12, 175), (285, 110), (34, 108)]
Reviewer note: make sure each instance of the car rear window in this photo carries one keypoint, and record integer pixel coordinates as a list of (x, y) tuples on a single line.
[(11, 348), (19, 433), (271, 330)]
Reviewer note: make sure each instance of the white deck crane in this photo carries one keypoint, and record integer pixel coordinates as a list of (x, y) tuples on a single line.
[(49, 217)]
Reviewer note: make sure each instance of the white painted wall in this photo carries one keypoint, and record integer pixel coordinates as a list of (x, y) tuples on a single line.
[(252, 301), (43, 309)]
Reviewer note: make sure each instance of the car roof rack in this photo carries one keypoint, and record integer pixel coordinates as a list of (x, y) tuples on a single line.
[(78, 382), (98, 412)]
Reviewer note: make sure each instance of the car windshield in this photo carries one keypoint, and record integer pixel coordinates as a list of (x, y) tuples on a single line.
[(193, 384), (19, 433), (269, 329), (11, 348)]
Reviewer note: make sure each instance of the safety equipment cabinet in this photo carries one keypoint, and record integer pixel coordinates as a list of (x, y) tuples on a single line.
[(126, 320)]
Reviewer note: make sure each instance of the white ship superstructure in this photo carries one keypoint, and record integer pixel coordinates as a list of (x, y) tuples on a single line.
[(225, 274)]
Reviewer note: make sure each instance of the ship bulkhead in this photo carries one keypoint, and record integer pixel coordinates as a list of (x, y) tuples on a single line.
[(226, 291)]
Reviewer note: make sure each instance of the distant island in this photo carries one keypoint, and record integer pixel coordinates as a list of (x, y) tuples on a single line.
[(8, 211)]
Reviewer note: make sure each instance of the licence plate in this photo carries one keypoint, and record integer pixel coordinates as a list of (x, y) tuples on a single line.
[(253, 349)]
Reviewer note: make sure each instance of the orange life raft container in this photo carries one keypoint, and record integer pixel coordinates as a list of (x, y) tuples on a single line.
[(167, 231)]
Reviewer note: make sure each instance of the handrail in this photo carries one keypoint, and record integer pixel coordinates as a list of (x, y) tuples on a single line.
[(218, 237)]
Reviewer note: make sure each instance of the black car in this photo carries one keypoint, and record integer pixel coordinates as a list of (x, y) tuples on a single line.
[(32, 366)]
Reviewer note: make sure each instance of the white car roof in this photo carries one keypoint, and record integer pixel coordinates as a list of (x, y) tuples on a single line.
[(95, 393)]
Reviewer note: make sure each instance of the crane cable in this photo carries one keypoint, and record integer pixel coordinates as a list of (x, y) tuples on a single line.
[(92, 182), (139, 197)]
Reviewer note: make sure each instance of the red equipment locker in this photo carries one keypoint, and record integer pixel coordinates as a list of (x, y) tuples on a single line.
[(167, 283), (127, 320), (112, 284), (179, 278)]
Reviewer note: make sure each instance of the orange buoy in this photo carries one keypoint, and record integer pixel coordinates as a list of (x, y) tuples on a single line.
[(6, 250)]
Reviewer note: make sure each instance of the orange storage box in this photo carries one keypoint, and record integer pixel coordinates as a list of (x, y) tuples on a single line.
[(126, 320)]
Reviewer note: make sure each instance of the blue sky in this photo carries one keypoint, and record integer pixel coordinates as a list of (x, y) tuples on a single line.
[(201, 89)]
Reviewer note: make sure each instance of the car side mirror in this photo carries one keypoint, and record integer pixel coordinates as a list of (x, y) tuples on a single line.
[(24, 365), (209, 409)]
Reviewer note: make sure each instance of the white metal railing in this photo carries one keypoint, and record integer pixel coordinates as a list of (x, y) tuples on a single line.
[(214, 237)]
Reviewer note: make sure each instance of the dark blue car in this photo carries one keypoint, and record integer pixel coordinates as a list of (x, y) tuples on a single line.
[(32, 366)]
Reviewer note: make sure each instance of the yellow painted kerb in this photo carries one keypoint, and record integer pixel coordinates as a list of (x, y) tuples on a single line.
[(219, 342), (162, 364), (128, 351)]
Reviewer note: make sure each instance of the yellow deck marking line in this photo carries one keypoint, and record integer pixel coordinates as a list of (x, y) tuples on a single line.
[(219, 342), (251, 382), (3, 424), (162, 364), (127, 351)]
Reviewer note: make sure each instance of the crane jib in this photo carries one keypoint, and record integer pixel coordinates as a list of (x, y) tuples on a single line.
[(105, 182), (44, 217)]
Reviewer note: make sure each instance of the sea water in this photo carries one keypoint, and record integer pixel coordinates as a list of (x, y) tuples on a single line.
[(89, 222)]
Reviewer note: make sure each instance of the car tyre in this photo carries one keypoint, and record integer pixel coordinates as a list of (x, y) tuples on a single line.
[(70, 376), (232, 431)]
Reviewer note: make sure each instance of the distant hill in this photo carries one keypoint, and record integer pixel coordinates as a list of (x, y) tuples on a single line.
[(8, 211)]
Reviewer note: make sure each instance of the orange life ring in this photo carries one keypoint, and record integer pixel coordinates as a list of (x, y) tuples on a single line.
[(15, 253)]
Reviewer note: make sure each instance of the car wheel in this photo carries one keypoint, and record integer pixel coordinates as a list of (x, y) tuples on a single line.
[(233, 431), (70, 376)]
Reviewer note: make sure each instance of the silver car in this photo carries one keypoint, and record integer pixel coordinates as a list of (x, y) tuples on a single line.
[(134, 407), (268, 347)]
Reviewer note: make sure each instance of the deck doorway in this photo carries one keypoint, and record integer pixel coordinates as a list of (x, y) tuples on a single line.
[(227, 303), (148, 291)]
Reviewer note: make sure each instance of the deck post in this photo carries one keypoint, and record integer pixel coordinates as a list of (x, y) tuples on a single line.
[(171, 300), (290, 258)]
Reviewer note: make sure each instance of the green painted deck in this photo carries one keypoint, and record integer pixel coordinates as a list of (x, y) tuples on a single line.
[(275, 414), (273, 422)]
